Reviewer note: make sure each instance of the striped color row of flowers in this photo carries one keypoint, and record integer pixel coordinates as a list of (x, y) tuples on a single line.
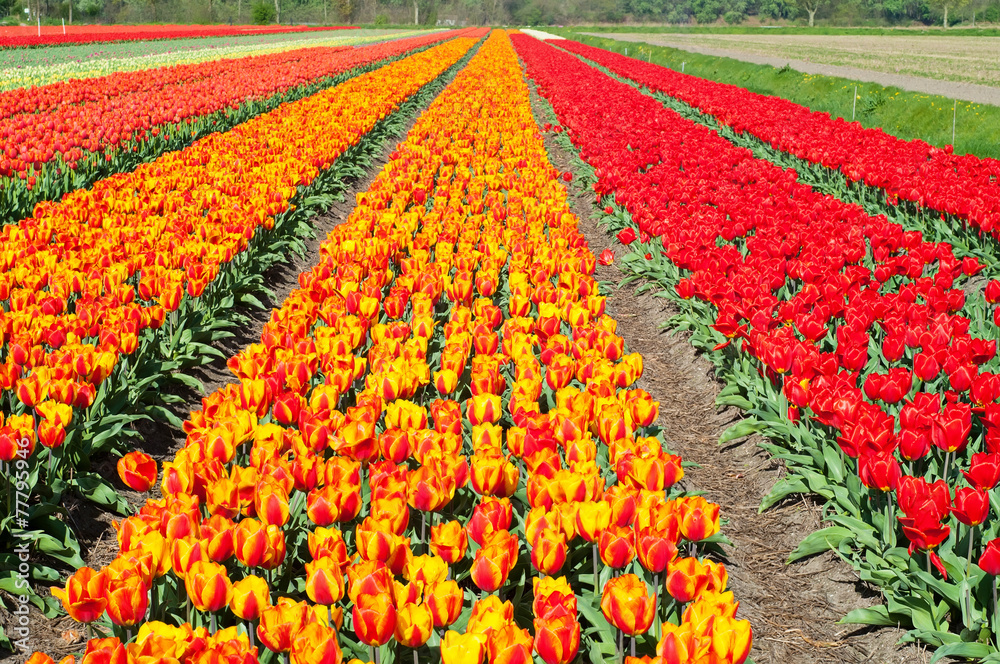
[(50, 132), (447, 363), (842, 333), (961, 185), (26, 37), (83, 278), (27, 76)]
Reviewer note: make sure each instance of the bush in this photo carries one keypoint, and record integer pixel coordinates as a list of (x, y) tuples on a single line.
[(262, 13), (381, 19)]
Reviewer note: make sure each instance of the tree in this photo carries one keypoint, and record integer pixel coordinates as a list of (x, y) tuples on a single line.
[(811, 7), (945, 4)]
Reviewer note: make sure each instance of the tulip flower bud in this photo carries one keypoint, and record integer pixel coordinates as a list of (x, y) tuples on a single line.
[(250, 596), (548, 553), (281, 623), (84, 598), (445, 600), (462, 648), (449, 541), (127, 601), (557, 636), (627, 604), (374, 618), (324, 581), (616, 545), (208, 586), (138, 471), (316, 644), (414, 624)]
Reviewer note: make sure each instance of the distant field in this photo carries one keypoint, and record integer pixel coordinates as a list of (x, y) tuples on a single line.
[(958, 58)]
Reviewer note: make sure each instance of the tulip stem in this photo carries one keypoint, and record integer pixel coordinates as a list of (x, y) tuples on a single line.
[(250, 631), (656, 603), (996, 610), (947, 462), (621, 646), (416, 660), (213, 622), (423, 532), (633, 645), (597, 591), (972, 534)]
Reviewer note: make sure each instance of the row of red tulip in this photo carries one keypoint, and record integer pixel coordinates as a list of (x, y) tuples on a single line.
[(448, 355), (47, 130), (854, 321), (95, 34), (84, 278), (961, 185)]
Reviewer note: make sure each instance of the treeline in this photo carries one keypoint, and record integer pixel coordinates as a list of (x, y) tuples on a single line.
[(512, 12)]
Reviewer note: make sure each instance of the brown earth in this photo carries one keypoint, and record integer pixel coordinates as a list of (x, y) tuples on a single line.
[(793, 609)]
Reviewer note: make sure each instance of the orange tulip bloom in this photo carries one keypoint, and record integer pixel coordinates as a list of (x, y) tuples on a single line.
[(510, 645), (549, 552), (250, 596), (462, 648), (316, 644), (490, 567), (138, 471), (105, 651), (552, 592), (557, 637), (414, 624), (324, 581), (592, 518), (687, 578), (127, 601), (627, 605), (208, 586), (494, 476), (271, 503), (617, 546), (655, 549), (374, 618), (449, 541), (427, 569), (84, 597), (428, 491), (699, 518), (281, 623), (445, 601), (369, 577)]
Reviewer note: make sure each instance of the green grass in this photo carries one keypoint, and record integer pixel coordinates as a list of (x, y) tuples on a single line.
[(937, 31), (908, 115)]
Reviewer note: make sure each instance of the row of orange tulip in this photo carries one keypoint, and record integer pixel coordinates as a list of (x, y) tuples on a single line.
[(85, 277), (370, 387)]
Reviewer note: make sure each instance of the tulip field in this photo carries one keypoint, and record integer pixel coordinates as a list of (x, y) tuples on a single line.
[(26, 36), (441, 448)]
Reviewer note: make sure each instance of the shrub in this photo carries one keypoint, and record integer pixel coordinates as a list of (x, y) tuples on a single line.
[(262, 13)]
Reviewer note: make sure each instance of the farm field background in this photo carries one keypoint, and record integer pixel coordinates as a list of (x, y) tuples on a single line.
[(948, 58), (485, 346)]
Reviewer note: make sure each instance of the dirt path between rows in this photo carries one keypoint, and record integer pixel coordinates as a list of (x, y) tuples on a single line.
[(793, 608), (978, 94)]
